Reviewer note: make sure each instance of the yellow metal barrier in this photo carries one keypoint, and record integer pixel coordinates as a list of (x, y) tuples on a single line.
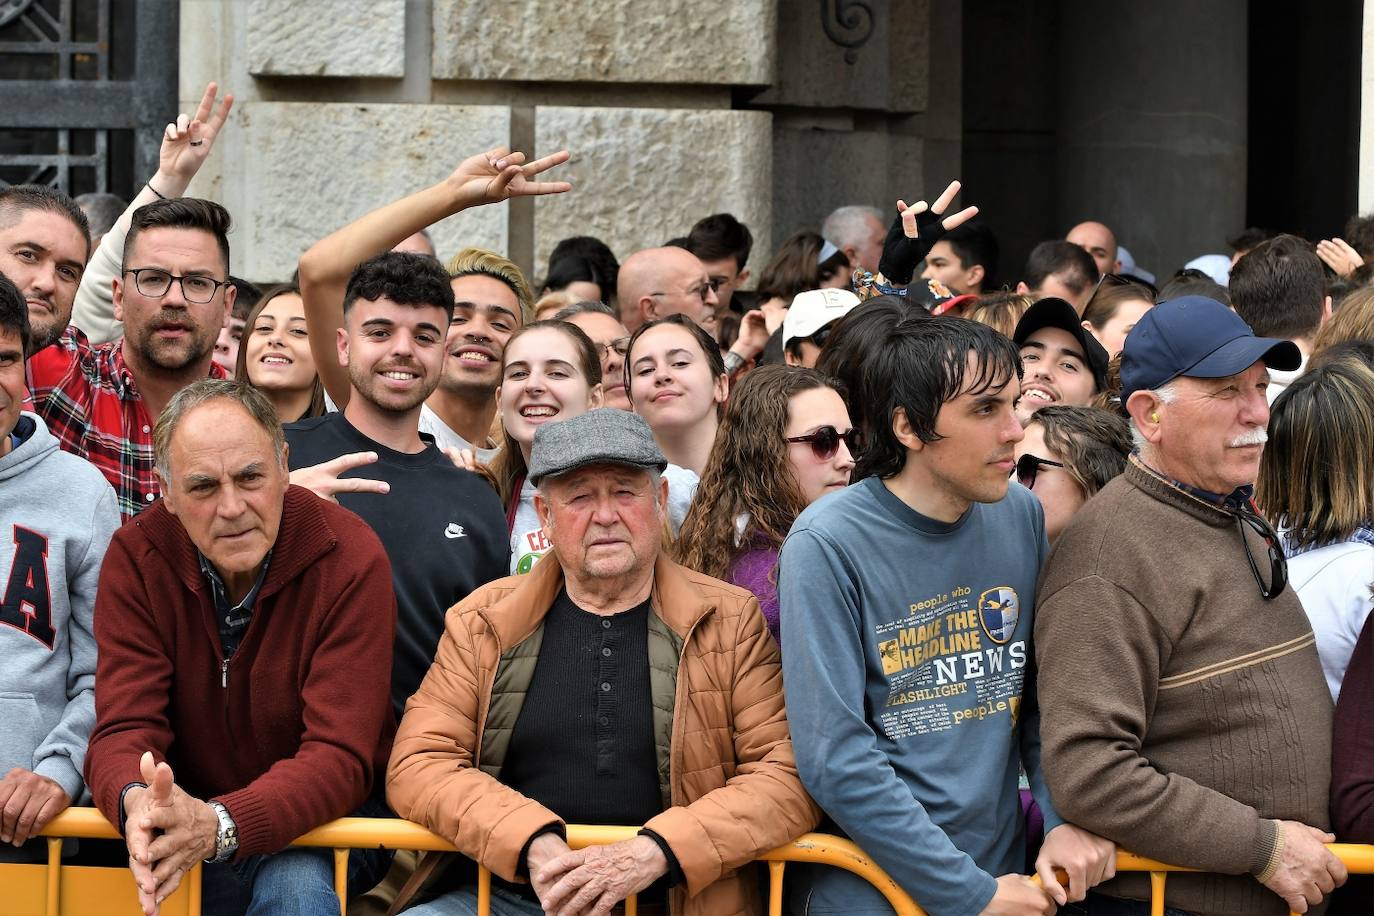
[(55, 889)]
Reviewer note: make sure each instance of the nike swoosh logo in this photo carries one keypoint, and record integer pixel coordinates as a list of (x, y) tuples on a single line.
[(454, 531)]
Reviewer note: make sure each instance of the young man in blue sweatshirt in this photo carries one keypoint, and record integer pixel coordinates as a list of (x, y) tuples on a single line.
[(57, 514), (906, 606)]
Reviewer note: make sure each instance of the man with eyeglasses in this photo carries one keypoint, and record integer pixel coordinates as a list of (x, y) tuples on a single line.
[(658, 282), (1185, 714), (906, 603), (173, 295)]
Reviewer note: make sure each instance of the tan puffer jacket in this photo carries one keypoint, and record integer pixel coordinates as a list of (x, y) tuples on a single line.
[(734, 785)]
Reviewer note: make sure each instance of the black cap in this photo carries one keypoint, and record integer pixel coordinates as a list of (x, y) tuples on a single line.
[(1056, 313)]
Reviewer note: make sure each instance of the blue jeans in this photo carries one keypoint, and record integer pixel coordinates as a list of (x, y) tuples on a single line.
[(1102, 905), (294, 882), (463, 902)]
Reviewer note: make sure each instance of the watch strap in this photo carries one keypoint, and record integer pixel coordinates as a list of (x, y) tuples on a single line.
[(226, 837)]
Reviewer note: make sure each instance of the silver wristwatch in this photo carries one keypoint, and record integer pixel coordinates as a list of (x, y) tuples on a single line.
[(227, 838)]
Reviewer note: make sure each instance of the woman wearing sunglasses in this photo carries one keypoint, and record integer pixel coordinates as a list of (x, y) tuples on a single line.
[(785, 442), (1067, 455), (1316, 486)]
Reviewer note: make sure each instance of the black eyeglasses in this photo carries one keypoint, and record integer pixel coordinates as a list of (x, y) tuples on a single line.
[(154, 283), (1278, 563), (825, 442), (1028, 465)]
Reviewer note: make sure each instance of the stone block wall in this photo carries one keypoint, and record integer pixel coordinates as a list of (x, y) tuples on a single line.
[(672, 109)]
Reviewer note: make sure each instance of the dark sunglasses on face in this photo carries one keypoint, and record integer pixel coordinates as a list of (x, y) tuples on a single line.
[(825, 442), (1028, 465), (1278, 563)]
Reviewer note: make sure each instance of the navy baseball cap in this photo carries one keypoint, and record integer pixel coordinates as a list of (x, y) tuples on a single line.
[(1196, 337)]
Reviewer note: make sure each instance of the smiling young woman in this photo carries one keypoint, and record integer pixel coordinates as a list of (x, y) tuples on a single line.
[(275, 356)]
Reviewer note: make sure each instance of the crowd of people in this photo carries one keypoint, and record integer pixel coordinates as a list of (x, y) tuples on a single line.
[(995, 578)]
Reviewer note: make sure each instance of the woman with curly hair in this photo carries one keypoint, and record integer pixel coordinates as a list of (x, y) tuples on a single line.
[(784, 443)]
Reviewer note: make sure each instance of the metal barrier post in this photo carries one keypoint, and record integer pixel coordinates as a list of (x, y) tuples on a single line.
[(53, 902)]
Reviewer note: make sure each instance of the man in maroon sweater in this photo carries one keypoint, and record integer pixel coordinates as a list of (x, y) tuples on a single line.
[(244, 629)]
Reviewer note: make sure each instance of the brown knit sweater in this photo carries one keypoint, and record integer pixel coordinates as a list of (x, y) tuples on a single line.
[(1181, 714)]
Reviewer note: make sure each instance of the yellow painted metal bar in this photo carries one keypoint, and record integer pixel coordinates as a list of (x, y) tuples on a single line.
[(53, 904), (195, 875), (341, 878), (390, 833), (775, 888), (632, 905), (1157, 881)]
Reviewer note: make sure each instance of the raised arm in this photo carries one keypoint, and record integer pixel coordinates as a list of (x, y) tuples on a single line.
[(485, 178), (186, 144), (915, 231)]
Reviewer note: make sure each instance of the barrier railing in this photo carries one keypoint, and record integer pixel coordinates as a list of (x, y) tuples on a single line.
[(57, 889)]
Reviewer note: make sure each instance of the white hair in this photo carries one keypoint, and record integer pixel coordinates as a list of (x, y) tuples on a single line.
[(1165, 394), (849, 225)]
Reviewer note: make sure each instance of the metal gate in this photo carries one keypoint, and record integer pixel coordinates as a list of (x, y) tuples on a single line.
[(85, 89)]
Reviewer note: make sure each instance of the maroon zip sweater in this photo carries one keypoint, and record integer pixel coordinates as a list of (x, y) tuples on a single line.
[(293, 730)]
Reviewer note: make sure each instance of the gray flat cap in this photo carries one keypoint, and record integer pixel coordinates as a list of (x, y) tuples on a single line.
[(602, 436)]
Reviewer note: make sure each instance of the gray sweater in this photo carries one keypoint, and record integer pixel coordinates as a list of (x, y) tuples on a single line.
[(57, 515)]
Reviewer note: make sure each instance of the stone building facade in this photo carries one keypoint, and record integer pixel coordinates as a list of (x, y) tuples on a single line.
[(774, 110)]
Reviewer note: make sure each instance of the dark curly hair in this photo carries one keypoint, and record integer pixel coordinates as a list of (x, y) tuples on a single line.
[(748, 473), (404, 278)]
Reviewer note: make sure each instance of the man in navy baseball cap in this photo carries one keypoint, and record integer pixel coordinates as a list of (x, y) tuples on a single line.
[(1193, 378)]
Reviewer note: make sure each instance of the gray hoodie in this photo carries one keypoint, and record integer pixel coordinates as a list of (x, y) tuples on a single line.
[(57, 515)]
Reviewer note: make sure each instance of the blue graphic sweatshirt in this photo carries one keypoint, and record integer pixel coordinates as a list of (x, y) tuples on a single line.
[(910, 686)]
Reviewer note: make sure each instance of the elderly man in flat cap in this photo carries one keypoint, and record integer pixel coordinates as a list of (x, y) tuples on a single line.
[(1184, 714), (607, 686)]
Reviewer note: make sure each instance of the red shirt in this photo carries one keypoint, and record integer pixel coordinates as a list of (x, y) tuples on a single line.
[(88, 398), (296, 728)]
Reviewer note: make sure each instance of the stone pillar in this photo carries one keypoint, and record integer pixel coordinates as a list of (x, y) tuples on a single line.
[(1151, 124), (852, 125), (343, 107)]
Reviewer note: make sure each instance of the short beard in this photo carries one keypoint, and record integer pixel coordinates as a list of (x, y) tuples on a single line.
[(48, 334), (198, 351), (365, 383)]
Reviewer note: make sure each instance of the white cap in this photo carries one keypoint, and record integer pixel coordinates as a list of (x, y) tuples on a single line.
[(1216, 266), (813, 310)]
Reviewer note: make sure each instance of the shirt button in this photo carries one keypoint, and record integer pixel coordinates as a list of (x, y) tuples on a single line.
[(606, 653), (605, 686), (605, 624), (145, 429), (605, 720), (150, 497)]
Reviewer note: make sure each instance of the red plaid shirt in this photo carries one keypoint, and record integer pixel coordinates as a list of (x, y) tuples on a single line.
[(88, 398)]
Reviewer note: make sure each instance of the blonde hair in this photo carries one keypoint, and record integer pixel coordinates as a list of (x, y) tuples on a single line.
[(1354, 320), (552, 303), (1317, 475), (488, 263), (1000, 310)]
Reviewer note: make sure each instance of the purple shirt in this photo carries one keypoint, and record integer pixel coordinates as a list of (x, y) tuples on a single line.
[(756, 570)]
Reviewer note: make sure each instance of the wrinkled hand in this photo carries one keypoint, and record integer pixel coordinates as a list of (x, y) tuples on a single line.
[(1087, 858), (595, 879), (1018, 895), (547, 849), (324, 480), (753, 334), (181, 156), (27, 802), (500, 174), (915, 231), (1339, 256), (1307, 871), (167, 832)]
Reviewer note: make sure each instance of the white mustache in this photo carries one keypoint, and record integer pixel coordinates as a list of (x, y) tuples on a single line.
[(1256, 436)]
